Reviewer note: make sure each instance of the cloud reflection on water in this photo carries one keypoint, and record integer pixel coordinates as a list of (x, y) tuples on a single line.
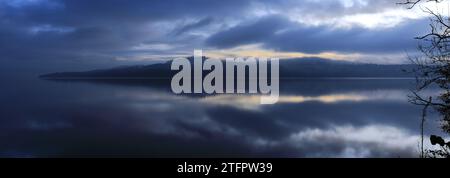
[(83, 119)]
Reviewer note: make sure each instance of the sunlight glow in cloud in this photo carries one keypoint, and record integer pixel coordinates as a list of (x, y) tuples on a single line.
[(255, 50)]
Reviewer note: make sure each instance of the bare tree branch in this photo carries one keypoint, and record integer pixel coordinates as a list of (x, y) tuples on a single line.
[(433, 70), (412, 3)]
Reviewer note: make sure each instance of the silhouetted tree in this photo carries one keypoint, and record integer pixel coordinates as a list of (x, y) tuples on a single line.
[(443, 152), (433, 70)]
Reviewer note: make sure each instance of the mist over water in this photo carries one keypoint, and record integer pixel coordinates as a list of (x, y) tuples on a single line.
[(313, 118)]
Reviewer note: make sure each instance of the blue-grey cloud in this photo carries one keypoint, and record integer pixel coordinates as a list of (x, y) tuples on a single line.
[(96, 27), (248, 33), (280, 34), (69, 30), (192, 26)]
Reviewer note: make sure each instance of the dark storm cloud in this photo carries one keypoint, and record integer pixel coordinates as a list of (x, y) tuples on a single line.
[(76, 12), (278, 33), (80, 28)]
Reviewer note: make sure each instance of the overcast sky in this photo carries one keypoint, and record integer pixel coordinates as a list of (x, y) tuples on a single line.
[(108, 31)]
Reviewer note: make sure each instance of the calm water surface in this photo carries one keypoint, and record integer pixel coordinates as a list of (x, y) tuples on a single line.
[(314, 118)]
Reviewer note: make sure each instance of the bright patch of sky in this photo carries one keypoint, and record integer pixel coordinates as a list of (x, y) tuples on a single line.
[(50, 29), (25, 3)]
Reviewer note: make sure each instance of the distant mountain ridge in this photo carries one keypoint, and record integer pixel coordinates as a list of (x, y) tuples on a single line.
[(289, 68)]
